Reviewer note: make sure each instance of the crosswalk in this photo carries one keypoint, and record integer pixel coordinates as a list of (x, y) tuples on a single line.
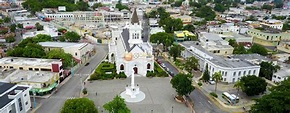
[(66, 98)]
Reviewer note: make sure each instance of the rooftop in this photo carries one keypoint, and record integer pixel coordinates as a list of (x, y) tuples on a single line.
[(4, 87), (63, 44), (285, 72), (28, 61), (31, 76), (4, 72)]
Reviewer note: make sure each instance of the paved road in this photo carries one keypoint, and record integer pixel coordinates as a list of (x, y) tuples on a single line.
[(202, 104), (73, 87), (168, 65)]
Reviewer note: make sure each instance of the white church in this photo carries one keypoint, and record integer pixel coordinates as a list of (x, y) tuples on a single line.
[(129, 50)]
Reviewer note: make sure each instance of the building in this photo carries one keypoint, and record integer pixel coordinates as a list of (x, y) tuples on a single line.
[(184, 18), (80, 51), (276, 24), (232, 67), (153, 22), (268, 37), (129, 51), (77, 17), (14, 98), (32, 64), (154, 30), (215, 44), (227, 27), (284, 46), (183, 35), (47, 30), (281, 75)]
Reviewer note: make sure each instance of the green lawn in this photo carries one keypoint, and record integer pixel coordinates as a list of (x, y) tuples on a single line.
[(158, 72), (105, 71)]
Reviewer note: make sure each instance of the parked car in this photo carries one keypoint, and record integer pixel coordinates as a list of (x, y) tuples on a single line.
[(159, 62), (163, 65), (87, 64), (211, 82)]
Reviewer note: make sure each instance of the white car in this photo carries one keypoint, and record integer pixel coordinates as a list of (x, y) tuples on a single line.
[(163, 65), (211, 82)]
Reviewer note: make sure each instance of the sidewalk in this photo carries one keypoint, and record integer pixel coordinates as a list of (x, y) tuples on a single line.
[(216, 101)]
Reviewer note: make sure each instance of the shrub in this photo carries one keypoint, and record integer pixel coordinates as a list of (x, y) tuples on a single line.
[(122, 75), (199, 83), (85, 91), (214, 94)]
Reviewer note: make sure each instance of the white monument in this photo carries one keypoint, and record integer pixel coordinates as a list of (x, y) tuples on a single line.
[(132, 92)]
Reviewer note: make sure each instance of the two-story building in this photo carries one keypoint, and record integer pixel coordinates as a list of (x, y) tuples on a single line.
[(14, 98), (183, 35), (268, 37), (215, 44), (276, 24), (80, 51)]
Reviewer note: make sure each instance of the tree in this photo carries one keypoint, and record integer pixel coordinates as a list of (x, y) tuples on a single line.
[(253, 85), (38, 27), (189, 27), (20, 25), (238, 85), (7, 19), (79, 105), (10, 39), (267, 7), (258, 49), (190, 64), (67, 59), (182, 83), (170, 25), (267, 69), (233, 43), (219, 8), (12, 27), (42, 38), (83, 6), (205, 75), (153, 14), (16, 52), (206, 12), (240, 49), (275, 102), (217, 76), (97, 5), (175, 51), (72, 36), (162, 38), (177, 3), (61, 38), (117, 105), (120, 6)]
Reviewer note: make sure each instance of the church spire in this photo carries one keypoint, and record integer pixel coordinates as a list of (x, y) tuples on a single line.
[(134, 18)]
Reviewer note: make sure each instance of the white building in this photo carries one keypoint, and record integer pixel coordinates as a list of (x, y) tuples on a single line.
[(227, 27), (154, 30), (214, 43), (281, 75), (14, 98), (276, 24), (231, 67), (47, 29), (129, 51), (80, 51)]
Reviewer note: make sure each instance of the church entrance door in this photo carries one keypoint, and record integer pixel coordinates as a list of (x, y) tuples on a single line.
[(135, 70)]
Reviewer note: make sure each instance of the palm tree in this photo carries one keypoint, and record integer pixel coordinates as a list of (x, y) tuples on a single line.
[(238, 85), (217, 76)]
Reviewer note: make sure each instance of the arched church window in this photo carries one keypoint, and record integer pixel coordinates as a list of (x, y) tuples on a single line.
[(148, 66), (122, 67)]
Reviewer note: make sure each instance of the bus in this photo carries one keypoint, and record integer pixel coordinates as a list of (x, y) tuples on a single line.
[(232, 99)]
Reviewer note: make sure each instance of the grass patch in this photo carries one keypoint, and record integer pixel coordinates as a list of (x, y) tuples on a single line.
[(106, 71), (158, 72), (179, 63), (213, 94)]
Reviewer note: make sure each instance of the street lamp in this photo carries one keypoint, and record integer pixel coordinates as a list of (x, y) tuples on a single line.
[(34, 102), (172, 109)]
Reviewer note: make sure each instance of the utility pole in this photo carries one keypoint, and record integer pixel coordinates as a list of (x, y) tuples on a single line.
[(72, 70)]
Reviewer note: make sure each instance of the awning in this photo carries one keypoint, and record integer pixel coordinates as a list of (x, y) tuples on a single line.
[(48, 88)]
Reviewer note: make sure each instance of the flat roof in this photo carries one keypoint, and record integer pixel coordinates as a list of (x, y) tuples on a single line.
[(230, 62), (31, 76), (211, 36), (285, 72), (28, 61), (4, 87), (62, 44)]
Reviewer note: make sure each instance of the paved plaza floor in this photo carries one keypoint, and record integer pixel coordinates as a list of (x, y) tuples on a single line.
[(159, 95)]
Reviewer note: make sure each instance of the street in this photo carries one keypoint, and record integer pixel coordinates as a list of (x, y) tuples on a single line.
[(202, 104), (72, 88)]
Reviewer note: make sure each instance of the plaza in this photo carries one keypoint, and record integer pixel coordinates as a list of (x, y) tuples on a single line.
[(159, 95)]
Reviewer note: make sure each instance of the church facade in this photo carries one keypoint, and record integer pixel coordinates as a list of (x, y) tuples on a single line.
[(129, 50)]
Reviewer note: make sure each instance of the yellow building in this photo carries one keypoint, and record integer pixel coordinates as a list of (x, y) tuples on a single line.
[(268, 38), (184, 18), (182, 35), (284, 46)]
